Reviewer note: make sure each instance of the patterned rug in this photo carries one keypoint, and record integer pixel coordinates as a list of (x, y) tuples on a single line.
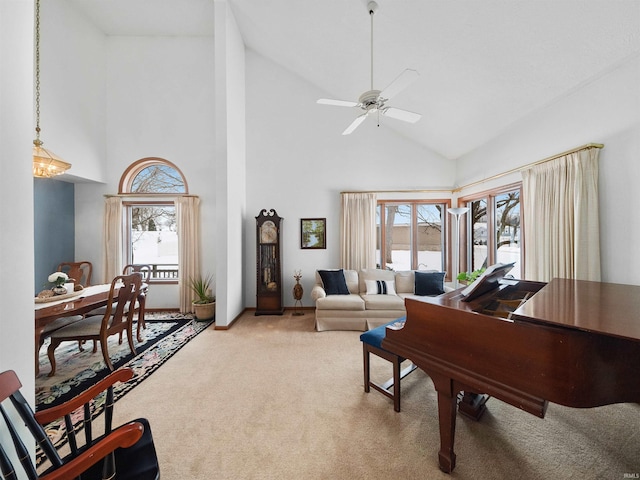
[(76, 369)]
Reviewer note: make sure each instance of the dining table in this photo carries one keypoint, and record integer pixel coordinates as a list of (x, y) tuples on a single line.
[(77, 303)]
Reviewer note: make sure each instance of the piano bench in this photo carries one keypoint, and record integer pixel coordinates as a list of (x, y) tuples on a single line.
[(372, 343)]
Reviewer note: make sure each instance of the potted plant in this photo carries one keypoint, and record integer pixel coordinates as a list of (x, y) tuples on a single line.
[(204, 305), (466, 277)]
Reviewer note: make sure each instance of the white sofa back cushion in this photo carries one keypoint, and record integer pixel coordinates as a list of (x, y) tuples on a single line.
[(405, 281), (375, 274)]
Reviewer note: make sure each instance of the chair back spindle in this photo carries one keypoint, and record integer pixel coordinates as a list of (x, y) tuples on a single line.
[(129, 448)]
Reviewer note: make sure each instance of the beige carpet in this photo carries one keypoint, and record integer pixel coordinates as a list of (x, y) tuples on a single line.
[(270, 398)]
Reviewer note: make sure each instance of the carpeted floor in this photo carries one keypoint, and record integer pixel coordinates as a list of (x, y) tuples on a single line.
[(270, 398)]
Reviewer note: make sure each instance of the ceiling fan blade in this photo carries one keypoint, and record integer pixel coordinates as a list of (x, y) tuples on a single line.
[(338, 103), (401, 82), (355, 124), (400, 114)]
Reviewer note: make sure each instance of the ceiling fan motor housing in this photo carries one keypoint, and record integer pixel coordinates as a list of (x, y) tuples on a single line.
[(371, 99)]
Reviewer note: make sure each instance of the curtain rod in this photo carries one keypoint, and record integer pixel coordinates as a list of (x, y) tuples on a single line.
[(529, 165), (436, 190), (498, 175), (109, 195)]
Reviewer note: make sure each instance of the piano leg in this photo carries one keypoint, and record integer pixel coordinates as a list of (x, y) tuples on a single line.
[(447, 408)]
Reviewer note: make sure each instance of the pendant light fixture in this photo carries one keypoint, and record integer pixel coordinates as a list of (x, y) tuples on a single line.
[(46, 164)]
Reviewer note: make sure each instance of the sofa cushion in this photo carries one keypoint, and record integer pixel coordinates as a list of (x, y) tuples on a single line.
[(429, 283), (380, 287), (383, 302), (341, 302), (374, 274), (334, 282), (405, 281)]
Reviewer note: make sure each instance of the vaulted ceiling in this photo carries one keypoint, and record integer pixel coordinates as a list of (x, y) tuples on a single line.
[(484, 65)]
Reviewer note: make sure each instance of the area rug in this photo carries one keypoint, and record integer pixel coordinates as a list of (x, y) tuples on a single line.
[(77, 370)]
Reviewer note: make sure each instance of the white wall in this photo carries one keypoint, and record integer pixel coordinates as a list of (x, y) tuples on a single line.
[(16, 182), (73, 89), (298, 163), (159, 104), (230, 166), (606, 110)]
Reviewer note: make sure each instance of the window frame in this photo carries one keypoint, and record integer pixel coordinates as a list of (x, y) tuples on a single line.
[(444, 202), (466, 241), (145, 199)]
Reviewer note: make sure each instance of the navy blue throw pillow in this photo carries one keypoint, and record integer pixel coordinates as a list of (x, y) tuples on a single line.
[(429, 283), (334, 282)]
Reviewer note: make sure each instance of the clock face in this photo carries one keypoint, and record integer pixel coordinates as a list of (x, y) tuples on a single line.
[(268, 232)]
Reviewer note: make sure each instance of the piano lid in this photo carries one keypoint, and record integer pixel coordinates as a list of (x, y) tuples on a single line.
[(607, 308)]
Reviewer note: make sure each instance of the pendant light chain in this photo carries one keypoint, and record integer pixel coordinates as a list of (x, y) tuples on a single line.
[(38, 70)]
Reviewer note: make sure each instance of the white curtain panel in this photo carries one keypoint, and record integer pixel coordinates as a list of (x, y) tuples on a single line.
[(560, 211), (112, 251), (358, 231), (188, 222)]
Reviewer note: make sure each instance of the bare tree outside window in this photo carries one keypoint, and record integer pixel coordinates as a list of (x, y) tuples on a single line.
[(495, 234), (152, 226), (413, 235)]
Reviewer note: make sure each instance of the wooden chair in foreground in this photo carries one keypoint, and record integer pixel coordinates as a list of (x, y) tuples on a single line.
[(124, 453), (116, 319), (79, 271)]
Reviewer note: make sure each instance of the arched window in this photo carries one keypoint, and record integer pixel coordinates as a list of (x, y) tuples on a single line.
[(153, 176), (151, 236)]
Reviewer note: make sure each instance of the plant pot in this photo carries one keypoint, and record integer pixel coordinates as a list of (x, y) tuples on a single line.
[(204, 311)]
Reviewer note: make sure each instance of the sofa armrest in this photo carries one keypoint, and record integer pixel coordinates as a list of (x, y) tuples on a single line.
[(317, 292)]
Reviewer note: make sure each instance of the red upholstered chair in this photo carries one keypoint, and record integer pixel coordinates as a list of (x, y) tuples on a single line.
[(127, 452), (117, 318)]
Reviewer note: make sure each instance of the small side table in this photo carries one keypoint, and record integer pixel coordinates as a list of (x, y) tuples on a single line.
[(297, 293)]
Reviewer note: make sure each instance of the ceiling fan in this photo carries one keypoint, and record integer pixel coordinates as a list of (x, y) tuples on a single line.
[(375, 101)]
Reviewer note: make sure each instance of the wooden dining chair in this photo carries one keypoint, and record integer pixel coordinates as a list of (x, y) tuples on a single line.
[(79, 271), (126, 452), (117, 318), (140, 305), (145, 271)]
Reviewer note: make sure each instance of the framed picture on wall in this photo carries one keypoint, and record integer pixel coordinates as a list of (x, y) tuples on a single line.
[(313, 233)]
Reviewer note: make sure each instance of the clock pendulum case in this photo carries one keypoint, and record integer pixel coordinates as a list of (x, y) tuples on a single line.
[(268, 264)]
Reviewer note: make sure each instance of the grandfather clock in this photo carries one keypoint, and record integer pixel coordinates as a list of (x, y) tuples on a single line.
[(268, 264)]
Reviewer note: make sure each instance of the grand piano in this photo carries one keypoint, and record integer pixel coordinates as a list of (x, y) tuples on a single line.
[(575, 343)]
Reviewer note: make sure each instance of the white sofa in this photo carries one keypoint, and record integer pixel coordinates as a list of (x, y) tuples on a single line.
[(358, 310)]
